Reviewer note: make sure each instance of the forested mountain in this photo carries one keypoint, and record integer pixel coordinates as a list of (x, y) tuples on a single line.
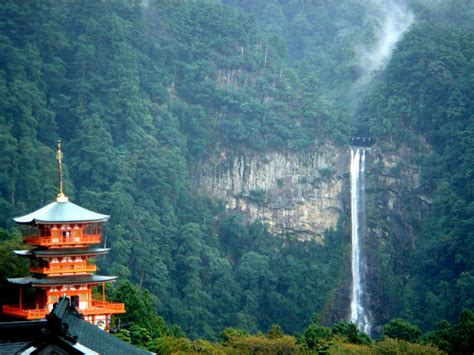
[(142, 92), (424, 100), (136, 94)]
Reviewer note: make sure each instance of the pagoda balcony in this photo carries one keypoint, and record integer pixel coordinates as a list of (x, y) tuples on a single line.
[(25, 311), (94, 307), (51, 241), (64, 268)]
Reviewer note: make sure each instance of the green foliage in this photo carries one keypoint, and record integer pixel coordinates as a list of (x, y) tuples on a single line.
[(140, 92), (386, 346), (351, 333), (422, 103), (229, 334), (275, 332), (257, 344), (124, 334), (139, 336), (316, 337), (171, 345), (401, 329), (457, 338), (320, 339), (10, 265), (142, 312)]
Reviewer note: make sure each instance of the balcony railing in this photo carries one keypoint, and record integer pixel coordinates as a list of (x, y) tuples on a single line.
[(63, 240), (25, 312), (61, 268), (103, 307), (94, 308)]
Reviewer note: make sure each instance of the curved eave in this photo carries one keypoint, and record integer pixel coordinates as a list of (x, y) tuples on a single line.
[(34, 221), (39, 221), (23, 252), (61, 280), (61, 252), (61, 212)]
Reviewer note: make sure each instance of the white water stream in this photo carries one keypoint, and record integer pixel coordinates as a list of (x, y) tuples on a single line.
[(359, 314)]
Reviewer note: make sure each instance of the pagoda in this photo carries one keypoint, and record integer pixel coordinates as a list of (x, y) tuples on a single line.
[(64, 237)]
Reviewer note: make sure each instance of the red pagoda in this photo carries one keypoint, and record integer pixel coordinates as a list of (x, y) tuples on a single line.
[(64, 236)]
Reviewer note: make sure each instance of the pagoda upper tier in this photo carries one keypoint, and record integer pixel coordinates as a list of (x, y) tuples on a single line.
[(63, 224), (61, 211)]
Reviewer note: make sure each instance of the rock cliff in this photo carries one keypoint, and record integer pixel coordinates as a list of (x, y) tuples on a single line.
[(293, 193), (304, 194)]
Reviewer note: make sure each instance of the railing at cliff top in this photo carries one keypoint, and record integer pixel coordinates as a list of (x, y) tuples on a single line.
[(363, 141)]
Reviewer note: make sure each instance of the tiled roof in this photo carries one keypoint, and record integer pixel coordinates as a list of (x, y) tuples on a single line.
[(16, 336), (91, 336), (61, 212), (61, 280), (61, 252), (64, 326)]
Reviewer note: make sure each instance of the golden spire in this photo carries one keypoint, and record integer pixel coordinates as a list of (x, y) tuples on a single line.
[(61, 197)]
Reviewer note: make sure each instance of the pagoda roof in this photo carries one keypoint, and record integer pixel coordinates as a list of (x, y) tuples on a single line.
[(65, 331), (61, 252), (61, 280), (61, 212)]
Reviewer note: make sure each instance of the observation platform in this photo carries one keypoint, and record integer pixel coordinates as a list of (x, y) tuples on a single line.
[(363, 141)]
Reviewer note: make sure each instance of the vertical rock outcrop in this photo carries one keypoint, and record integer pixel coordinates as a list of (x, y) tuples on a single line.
[(293, 193)]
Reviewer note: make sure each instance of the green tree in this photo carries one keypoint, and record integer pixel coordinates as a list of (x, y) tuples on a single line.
[(141, 311), (316, 337), (401, 329)]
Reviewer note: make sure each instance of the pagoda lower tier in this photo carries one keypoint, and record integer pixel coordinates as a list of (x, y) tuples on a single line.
[(78, 288)]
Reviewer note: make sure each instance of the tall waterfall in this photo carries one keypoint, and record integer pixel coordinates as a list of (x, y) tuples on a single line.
[(359, 314)]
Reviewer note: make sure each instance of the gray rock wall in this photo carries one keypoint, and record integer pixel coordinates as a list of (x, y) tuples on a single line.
[(300, 194)]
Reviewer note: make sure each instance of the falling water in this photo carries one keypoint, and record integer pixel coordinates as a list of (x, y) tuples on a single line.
[(359, 314)]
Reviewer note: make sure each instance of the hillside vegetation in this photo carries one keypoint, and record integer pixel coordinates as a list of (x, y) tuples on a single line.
[(140, 92)]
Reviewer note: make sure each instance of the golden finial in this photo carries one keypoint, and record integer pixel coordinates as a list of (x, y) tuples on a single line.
[(61, 197)]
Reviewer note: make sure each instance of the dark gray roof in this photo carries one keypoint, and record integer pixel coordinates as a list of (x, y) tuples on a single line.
[(15, 337), (13, 346), (61, 280), (91, 336), (64, 327), (61, 252), (61, 212)]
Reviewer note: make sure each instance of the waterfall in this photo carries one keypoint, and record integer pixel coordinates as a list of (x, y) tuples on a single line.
[(359, 314)]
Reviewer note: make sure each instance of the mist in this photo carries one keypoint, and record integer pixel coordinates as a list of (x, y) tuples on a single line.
[(391, 19)]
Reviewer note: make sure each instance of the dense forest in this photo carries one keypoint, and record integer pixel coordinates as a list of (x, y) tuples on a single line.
[(141, 92)]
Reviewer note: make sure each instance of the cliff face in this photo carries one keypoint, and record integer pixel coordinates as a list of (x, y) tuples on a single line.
[(299, 194), (304, 194), (396, 204)]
